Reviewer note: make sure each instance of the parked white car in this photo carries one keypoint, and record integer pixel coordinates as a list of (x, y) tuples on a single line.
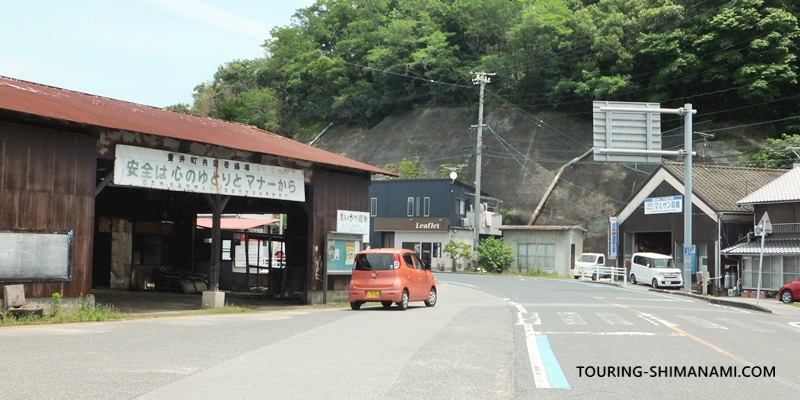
[(587, 264), (656, 270)]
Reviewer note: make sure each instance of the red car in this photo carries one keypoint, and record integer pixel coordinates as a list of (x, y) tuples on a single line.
[(391, 276), (790, 291)]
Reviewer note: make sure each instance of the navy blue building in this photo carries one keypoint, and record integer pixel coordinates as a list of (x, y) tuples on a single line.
[(425, 214)]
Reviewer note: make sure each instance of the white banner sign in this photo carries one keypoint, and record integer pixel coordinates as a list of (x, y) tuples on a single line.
[(352, 222), (613, 238), (168, 170), (663, 205)]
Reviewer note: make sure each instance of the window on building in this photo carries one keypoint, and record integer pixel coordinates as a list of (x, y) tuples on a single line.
[(426, 207), (533, 256), (410, 207), (416, 206), (427, 251), (373, 207), (461, 207), (790, 271), (775, 271)]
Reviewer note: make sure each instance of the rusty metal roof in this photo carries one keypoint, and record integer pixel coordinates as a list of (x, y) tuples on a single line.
[(81, 108)]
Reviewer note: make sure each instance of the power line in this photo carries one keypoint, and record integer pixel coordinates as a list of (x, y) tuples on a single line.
[(187, 21)]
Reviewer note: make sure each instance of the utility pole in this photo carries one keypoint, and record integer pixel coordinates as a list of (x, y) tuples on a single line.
[(481, 78)]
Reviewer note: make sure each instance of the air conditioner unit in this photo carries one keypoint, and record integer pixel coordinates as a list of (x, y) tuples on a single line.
[(465, 222)]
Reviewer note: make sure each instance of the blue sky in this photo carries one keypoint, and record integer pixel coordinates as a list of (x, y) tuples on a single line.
[(145, 51)]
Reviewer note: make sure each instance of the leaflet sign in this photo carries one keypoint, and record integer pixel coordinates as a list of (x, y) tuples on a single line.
[(663, 205)]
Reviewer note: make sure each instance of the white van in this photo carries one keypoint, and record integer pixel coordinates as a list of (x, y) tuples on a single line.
[(656, 270), (587, 264)]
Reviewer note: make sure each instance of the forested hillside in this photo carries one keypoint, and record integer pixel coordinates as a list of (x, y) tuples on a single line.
[(393, 81), (360, 60)]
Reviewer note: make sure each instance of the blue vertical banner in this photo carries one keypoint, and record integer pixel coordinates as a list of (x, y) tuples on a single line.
[(613, 238)]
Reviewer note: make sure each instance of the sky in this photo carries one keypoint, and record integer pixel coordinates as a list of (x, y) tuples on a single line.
[(151, 52)]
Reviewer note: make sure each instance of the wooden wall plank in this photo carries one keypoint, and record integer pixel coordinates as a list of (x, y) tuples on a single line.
[(41, 161), (47, 181), (9, 208), (16, 157)]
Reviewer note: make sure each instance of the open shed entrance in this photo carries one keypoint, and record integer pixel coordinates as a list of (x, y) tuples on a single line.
[(653, 242), (151, 240)]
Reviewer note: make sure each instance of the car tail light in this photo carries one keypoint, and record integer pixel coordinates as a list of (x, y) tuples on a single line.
[(396, 261)]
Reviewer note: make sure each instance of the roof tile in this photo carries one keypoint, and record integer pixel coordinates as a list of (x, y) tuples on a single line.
[(721, 187)]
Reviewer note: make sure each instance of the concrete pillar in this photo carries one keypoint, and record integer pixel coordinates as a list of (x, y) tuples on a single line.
[(121, 253)]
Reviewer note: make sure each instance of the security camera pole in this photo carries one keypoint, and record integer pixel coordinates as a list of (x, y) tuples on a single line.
[(481, 78)]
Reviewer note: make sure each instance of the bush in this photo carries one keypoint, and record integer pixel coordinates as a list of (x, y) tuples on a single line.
[(494, 255), (457, 251)]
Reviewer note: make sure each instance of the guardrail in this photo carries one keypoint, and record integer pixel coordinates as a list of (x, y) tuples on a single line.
[(615, 273)]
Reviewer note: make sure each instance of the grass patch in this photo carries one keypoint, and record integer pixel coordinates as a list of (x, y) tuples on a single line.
[(83, 311)]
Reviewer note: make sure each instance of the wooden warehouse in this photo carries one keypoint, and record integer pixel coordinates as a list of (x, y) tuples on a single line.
[(92, 187)]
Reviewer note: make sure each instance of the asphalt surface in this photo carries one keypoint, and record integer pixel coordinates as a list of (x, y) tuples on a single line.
[(493, 337)]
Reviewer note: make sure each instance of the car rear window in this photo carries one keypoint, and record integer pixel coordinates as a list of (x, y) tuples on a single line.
[(374, 261)]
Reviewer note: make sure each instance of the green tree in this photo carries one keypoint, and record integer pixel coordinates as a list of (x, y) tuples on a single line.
[(180, 107), (408, 169), (494, 255), (776, 154), (458, 251)]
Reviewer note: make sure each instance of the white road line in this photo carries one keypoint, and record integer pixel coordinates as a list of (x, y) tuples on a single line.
[(782, 325), (741, 324), (571, 318), (660, 320), (539, 373), (614, 333), (647, 319), (645, 299), (534, 318), (731, 308), (613, 319), (702, 322), (520, 308)]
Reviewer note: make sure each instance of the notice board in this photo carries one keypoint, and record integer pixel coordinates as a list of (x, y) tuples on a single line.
[(28, 255), (340, 252)]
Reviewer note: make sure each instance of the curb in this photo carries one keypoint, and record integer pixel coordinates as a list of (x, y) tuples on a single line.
[(619, 285), (714, 300)]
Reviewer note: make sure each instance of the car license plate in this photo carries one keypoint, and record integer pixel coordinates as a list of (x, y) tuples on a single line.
[(373, 294)]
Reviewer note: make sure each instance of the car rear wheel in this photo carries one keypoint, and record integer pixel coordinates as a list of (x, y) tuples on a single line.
[(403, 303), (654, 283), (355, 305), (633, 279), (786, 297), (386, 304), (431, 298), (575, 276)]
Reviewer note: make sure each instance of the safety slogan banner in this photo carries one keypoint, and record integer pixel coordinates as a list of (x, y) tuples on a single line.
[(169, 170)]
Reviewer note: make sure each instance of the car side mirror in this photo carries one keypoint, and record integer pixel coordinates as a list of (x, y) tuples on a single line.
[(426, 265)]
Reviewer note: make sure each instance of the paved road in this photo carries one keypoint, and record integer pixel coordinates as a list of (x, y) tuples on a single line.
[(489, 337), (600, 326)]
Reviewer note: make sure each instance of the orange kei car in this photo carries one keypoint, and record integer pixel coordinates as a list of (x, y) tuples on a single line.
[(391, 276)]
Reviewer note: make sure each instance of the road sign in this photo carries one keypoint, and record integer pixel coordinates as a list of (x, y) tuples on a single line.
[(764, 225), (626, 130), (688, 251)]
